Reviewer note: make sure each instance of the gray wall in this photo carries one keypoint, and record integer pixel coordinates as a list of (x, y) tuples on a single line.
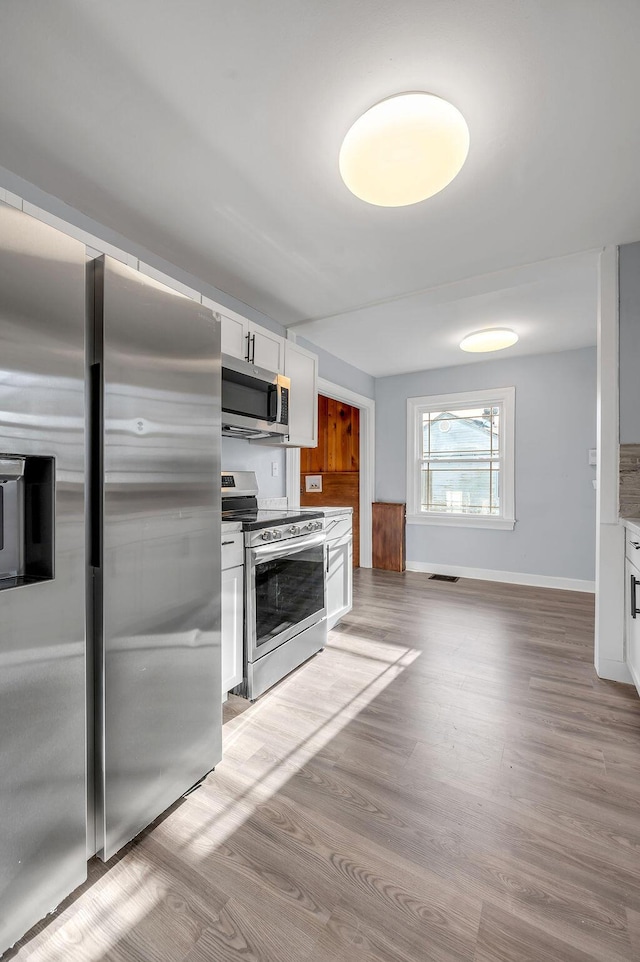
[(629, 343), (332, 368), (554, 495)]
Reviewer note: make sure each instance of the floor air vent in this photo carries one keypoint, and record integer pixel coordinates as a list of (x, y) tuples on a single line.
[(450, 578)]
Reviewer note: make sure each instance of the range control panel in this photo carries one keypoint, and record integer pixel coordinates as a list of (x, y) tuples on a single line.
[(228, 481)]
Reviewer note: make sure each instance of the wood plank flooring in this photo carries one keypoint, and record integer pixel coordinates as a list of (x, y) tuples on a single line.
[(449, 781)]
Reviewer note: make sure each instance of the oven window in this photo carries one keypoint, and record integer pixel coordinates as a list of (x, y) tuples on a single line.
[(248, 396), (288, 590)]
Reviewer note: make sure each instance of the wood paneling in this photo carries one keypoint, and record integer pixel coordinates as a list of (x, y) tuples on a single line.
[(389, 535), (337, 459), (338, 439), (449, 781), (339, 490)]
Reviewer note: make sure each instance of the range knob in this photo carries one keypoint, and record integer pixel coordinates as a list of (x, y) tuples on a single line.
[(276, 534), (266, 536), (308, 526), (294, 529), (317, 525)]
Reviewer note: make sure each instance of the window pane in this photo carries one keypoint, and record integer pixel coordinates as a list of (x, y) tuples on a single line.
[(458, 489), (460, 433)]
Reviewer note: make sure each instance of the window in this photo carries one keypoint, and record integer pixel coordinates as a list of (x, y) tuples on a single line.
[(460, 459)]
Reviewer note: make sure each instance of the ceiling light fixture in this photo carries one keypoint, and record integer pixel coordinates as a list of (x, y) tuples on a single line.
[(404, 149), (494, 340)]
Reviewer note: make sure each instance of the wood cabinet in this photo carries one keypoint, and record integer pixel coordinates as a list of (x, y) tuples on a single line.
[(339, 582), (232, 611), (389, 535)]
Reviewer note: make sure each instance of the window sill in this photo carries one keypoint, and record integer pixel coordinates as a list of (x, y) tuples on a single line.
[(463, 521)]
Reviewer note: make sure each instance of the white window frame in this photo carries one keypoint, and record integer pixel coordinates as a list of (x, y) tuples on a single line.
[(416, 407)]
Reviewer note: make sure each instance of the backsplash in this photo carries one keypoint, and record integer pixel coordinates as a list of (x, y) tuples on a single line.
[(240, 455), (630, 480)]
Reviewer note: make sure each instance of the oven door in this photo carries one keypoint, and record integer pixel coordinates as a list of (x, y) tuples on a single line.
[(285, 591)]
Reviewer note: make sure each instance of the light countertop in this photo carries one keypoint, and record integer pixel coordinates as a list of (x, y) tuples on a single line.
[(328, 512), (229, 527), (633, 524)]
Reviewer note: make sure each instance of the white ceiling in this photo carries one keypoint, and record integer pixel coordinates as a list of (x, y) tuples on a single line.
[(208, 131)]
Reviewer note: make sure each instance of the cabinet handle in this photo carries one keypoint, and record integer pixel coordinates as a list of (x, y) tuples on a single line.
[(634, 584), (248, 354), (636, 544), (224, 543), (253, 349)]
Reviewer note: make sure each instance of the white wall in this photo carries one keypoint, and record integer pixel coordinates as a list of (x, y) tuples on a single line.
[(554, 536), (239, 455)]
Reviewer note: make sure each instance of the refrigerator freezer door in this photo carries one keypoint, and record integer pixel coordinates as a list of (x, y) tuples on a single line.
[(158, 566), (42, 622)]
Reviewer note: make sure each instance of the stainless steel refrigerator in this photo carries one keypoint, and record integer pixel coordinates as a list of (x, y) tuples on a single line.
[(109, 559), (154, 547), (42, 570)]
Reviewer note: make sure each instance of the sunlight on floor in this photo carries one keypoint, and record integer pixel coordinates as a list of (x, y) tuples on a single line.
[(136, 891)]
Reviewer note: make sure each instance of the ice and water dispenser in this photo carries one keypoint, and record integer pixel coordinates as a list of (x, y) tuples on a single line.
[(26, 520)]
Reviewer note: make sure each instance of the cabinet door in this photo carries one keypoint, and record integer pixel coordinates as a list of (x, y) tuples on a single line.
[(632, 601), (267, 350), (235, 331), (339, 579), (301, 367), (232, 627)]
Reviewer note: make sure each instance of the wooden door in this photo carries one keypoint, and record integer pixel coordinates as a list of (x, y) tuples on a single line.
[(336, 462)]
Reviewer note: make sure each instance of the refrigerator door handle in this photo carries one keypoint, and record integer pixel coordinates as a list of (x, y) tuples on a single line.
[(95, 463)]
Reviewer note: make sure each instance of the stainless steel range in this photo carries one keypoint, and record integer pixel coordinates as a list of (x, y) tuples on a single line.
[(284, 584)]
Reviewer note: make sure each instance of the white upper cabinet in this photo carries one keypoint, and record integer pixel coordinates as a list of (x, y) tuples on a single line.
[(248, 341), (301, 367), (266, 349), (258, 345)]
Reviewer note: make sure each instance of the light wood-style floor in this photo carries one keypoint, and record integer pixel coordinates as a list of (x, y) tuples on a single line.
[(448, 780)]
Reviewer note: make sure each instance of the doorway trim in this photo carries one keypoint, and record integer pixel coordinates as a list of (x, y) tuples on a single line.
[(367, 408)]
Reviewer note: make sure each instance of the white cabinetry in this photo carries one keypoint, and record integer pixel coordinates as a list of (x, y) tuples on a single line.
[(339, 567), (632, 604), (232, 613), (301, 367), (250, 342)]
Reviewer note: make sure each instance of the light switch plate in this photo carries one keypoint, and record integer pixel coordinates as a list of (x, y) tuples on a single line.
[(593, 455)]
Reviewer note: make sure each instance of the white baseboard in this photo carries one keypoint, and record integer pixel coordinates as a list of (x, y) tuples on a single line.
[(615, 671), (508, 577)]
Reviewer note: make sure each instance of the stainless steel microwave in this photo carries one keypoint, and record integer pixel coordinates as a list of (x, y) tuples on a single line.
[(255, 402)]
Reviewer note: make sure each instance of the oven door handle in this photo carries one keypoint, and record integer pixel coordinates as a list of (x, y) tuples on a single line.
[(284, 548)]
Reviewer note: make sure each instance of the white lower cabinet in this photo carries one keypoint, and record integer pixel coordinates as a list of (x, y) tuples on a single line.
[(232, 611), (339, 568), (632, 601)]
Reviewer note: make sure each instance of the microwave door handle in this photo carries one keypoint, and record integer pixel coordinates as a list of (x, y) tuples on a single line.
[(273, 404)]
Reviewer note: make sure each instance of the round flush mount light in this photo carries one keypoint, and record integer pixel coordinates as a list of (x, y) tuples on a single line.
[(404, 149), (483, 341)]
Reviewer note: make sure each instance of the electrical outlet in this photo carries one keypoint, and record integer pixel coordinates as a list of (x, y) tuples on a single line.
[(313, 482)]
